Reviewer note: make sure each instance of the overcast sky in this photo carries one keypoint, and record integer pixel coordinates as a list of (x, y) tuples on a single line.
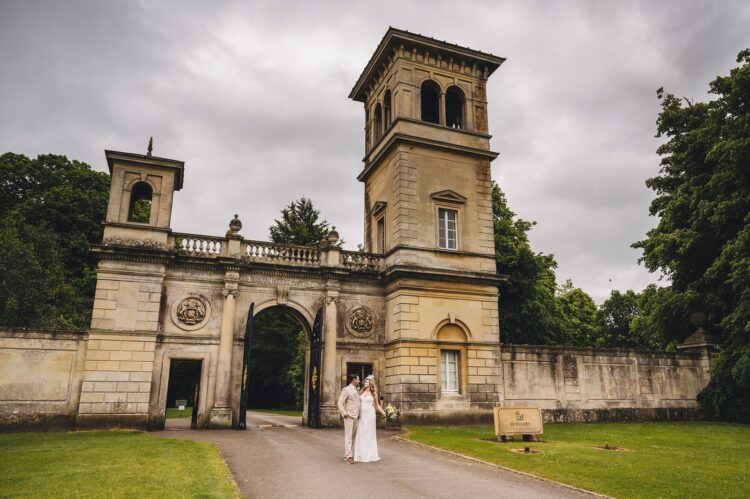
[(253, 97)]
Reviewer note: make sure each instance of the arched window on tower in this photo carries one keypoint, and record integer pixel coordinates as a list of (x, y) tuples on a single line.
[(378, 122), (387, 109), (454, 108), (430, 102), (140, 203)]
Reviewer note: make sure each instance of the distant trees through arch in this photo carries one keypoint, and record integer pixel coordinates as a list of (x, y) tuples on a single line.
[(140, 203)]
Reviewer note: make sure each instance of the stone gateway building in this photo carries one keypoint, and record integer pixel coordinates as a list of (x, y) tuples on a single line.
[(418, 308)]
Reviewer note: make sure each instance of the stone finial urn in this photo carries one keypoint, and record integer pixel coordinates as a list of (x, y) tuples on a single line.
[(333, 236), (235, 225), (700, 338)]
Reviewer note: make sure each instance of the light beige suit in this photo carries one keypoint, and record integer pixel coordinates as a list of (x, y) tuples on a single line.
[(348, 405)]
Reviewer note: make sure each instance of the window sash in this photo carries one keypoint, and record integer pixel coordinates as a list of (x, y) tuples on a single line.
[(447, 232), (449, 370)]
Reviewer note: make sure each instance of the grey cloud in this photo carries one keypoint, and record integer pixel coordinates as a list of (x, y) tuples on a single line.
[(252, 95)]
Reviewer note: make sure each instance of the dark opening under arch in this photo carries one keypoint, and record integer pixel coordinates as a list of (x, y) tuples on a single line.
[(378, 122), (430, 95), (140, 203), (387, 109), (454, 107)]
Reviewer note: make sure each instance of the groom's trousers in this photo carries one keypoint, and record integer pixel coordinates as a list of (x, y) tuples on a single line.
[(350, 429)]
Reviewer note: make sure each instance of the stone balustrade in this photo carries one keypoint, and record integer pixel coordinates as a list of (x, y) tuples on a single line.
[(358, 260), (285, 254), (197, 245)]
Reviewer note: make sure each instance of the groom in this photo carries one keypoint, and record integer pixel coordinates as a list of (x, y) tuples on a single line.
[(349, 409)]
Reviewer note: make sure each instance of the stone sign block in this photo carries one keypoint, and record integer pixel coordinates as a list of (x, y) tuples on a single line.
[(518, 421)]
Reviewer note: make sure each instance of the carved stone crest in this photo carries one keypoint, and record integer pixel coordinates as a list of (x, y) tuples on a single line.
[(360, 320), (191, 311)]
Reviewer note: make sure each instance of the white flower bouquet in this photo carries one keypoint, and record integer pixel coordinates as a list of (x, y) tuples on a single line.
[(391, 413)]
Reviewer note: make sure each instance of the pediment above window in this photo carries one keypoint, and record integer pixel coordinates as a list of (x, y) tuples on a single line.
[(448, 196), (378, 208)]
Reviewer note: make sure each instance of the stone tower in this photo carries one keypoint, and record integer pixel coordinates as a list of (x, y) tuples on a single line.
[(132, 264), (428, 209)]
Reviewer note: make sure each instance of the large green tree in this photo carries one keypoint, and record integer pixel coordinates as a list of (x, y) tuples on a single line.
[(615, 323), (51, 210), (529, 310), (299, 224), (702, 240), (580, 311)]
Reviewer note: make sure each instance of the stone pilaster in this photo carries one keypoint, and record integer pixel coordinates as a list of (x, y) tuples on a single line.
[(328, 411), (221, 413)]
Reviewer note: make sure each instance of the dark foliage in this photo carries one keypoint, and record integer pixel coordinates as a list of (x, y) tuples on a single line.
[(51, 210)]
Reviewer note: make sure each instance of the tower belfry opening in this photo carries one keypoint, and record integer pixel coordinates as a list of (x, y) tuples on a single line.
[(430, 102)]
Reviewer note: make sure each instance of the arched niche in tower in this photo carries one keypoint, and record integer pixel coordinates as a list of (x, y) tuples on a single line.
[(387, 114), (455, 100), (378, 122), (430, 102), (140, 203), (447, 331)]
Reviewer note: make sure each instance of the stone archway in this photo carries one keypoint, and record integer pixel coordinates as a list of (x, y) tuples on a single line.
[(281, 362)]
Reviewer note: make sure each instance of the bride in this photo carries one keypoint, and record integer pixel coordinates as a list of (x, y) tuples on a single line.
[(365, 442)]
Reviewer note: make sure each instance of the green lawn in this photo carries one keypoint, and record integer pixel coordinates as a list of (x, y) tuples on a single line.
[(110, 464), (677, 459), (281, 412), (174, 412)]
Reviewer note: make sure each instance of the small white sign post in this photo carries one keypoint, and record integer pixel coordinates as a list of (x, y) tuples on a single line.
[(181, 405)]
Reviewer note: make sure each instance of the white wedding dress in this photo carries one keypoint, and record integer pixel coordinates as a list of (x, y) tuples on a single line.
[(366, 442)]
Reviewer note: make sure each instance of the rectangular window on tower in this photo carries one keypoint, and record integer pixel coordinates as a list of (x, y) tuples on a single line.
[(381, 235), (447, 232), (449, 370)]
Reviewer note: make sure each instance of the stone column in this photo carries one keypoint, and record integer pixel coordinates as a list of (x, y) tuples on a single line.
[(221, 413), (441, 111), (329, 413)]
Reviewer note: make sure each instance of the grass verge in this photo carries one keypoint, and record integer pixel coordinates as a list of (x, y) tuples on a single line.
[(677, 459), (110, 464), (280, 412), (174, 412)]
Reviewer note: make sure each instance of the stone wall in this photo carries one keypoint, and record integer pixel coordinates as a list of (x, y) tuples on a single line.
[(569, 384), (595, 379), (40, 377)]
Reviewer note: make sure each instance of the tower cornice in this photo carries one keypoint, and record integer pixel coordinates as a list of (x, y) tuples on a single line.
[(395, 39)]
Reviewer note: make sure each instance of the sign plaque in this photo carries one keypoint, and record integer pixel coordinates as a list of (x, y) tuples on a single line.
[(518, 421)]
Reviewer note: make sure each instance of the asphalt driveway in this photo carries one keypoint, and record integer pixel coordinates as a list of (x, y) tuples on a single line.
[(277, 458)]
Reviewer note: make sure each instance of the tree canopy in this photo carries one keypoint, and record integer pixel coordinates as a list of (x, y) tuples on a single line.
[(701, 243), (529, 310), (299, 224), (51, 210)]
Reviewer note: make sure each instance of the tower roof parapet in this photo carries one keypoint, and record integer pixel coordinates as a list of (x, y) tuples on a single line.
[(144, 160), (396, 38)]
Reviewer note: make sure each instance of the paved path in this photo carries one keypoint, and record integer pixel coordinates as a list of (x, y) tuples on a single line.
[(298, 462)]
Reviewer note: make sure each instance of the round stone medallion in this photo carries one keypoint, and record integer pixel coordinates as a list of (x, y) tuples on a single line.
[(191, 313)]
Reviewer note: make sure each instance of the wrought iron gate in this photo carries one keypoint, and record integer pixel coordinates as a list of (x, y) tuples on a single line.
[(315, 374), (245, 366)]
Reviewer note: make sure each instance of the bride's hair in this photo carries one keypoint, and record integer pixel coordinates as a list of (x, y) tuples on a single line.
[(373, 388)]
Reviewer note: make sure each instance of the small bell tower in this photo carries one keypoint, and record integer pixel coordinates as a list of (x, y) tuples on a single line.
[(428, 199), (139, 212)]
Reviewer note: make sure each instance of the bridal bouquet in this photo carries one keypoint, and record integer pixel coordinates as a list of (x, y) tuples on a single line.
[(391, 413)]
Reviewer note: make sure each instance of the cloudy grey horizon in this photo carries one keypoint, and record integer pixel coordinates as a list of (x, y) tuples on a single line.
[(253, 97)]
